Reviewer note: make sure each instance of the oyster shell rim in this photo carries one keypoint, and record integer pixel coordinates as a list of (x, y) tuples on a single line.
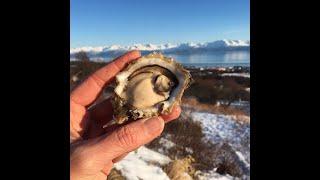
[(153, 59)]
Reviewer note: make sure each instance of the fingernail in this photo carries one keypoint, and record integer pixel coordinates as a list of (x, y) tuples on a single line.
[(154, 125)]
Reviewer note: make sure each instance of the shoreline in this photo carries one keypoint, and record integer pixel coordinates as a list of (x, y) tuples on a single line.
[(196, 66)]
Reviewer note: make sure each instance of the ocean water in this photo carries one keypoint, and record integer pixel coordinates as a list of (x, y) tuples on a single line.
[(214, 59), (203, 59)]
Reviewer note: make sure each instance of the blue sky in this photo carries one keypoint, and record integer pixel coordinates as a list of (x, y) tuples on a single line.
[(125, 22)]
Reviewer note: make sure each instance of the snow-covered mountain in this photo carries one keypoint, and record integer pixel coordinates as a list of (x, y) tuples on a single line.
[(167, 48)]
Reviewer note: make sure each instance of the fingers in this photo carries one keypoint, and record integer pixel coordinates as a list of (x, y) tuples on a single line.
[(129, 137), (89, 90), (119, 158), (176, 111), (102, 113), (106, 170), (114, 146)]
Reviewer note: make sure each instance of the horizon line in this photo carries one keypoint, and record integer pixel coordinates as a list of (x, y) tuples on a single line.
[(158, 43)]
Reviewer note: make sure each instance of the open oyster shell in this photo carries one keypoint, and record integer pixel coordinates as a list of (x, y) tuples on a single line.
[(148, 87)]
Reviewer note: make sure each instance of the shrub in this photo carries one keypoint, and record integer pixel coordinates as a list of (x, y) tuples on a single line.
[(186, 133), (82, 69), (82, 56), (211, 90), (204, 89)]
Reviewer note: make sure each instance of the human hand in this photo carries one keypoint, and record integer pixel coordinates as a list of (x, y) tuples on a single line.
[(94, 149)]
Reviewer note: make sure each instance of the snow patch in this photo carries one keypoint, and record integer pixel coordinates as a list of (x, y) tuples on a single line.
[(212, 175), (219, 128), (246, 75), (143, 164), (242, 158), (166, 143)]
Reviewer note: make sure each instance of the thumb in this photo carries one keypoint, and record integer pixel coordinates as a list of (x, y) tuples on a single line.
[(130, 137)]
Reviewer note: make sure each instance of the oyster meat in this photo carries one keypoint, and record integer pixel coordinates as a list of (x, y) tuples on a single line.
[(148, 87)]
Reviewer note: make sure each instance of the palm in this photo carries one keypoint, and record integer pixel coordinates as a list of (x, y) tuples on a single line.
[(90, 122)]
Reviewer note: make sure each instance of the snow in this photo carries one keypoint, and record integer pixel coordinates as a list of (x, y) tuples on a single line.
[(227, 43), (212, 175), (223, 128), (242, 158), (152, 156), (166, 143), (216, 127), (113, 47), (143, 164), (240, 103), (165, 47), (235, 103), (87, 49), (246, 75)]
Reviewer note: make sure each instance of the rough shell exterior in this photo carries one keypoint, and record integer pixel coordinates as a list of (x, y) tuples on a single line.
[(149, 86)]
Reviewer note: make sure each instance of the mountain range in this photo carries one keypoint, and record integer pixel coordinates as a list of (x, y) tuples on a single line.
[(182, 48)]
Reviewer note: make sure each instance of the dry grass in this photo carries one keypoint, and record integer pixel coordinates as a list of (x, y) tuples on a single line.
[(180, 169), (186, 134), (115, 175), (222, 109), (211, 89)]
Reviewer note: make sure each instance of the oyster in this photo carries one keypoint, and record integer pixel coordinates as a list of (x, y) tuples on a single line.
[(149, 86)]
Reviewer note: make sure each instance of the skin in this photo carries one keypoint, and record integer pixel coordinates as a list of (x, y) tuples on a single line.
[(93, 149)]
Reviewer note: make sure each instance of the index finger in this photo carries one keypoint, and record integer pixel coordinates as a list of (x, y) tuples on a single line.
[(89, 90)]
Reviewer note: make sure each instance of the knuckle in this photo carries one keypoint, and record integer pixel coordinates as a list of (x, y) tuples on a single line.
[(97, 80), (126, 136), (115, 65)]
